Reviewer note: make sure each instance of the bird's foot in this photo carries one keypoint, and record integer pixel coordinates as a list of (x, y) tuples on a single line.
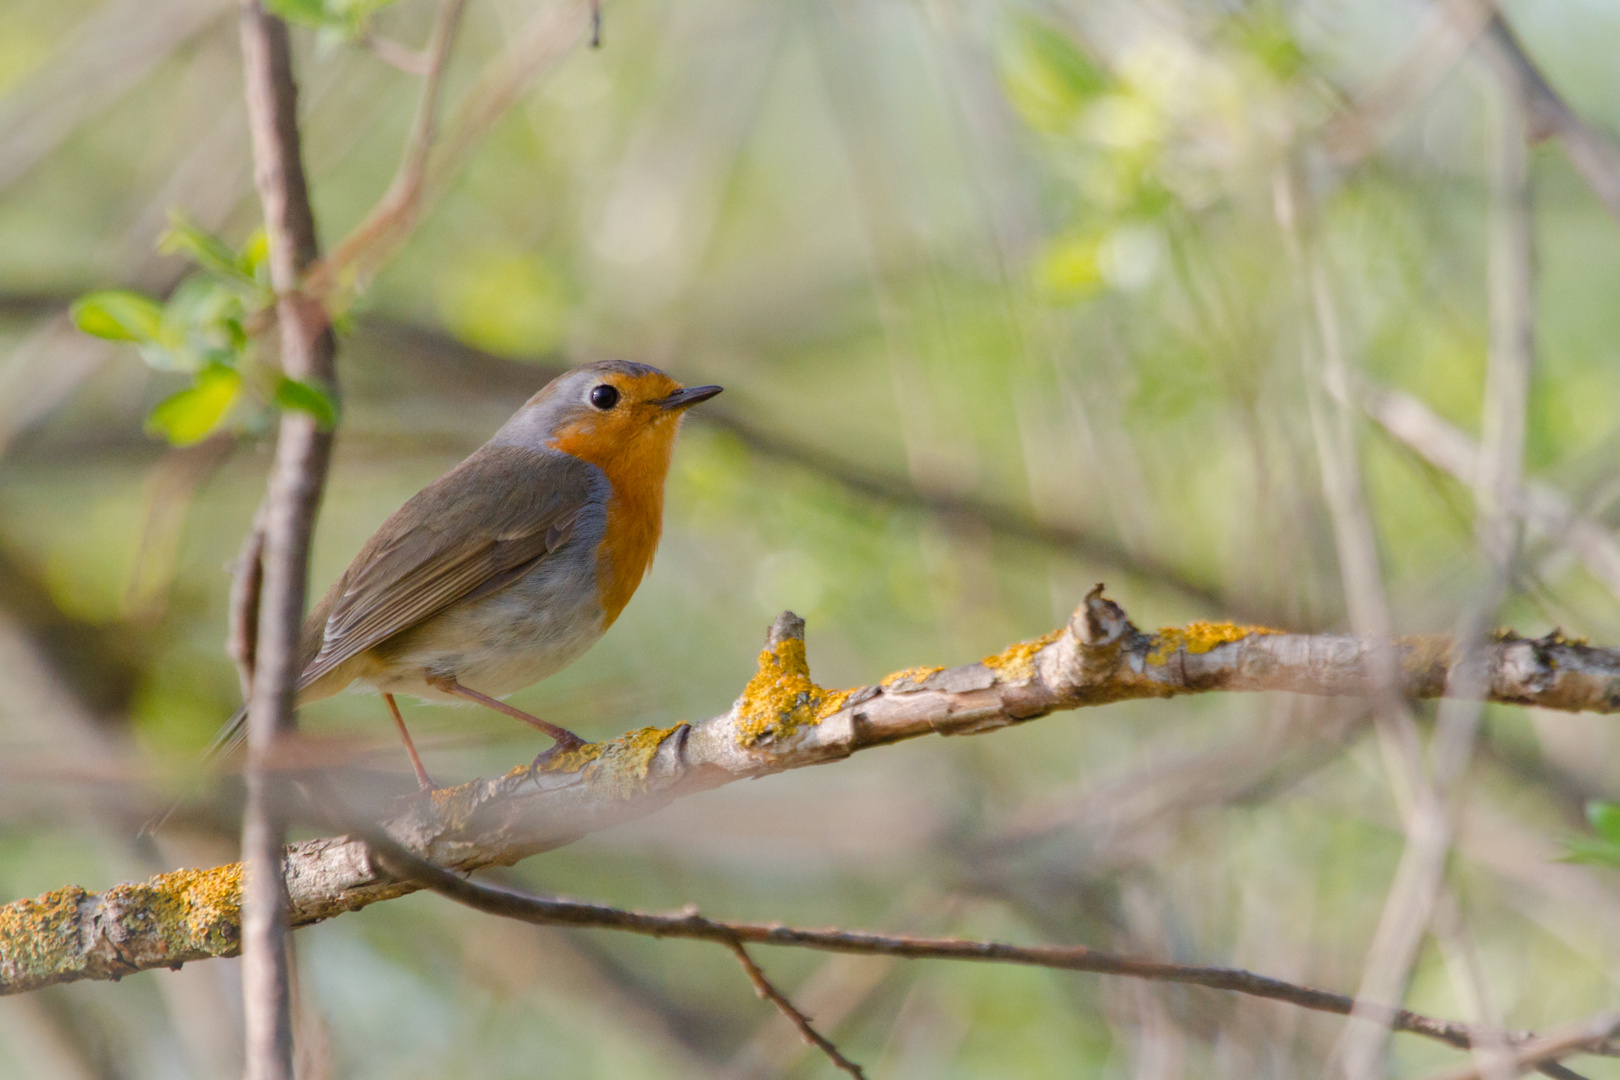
[(566, 741)]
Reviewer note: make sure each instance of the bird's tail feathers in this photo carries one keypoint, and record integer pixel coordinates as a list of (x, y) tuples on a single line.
[(224, 743)]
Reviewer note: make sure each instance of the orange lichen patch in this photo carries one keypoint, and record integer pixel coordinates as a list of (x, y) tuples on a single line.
[(780, 697), (1016, 663), (914, 674), (1199, 637), (41, 936)]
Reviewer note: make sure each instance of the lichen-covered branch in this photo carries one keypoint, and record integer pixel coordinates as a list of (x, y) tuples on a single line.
[(782, 720)]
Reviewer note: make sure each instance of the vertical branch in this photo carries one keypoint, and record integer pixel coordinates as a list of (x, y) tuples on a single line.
[(296, 481), (1419, 876)]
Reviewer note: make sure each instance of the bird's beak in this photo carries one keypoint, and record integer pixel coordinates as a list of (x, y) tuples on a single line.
[(687, 396)]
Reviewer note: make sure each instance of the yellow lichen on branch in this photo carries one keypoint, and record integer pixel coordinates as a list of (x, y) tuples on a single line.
[(168, 919), (37, 936), (1016, 663), (619, 768), (191, 909), (910, 674), (781, 697), (1199, 637), (616, 767)]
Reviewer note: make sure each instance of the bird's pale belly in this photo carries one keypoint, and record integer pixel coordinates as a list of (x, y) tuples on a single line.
[(501, 643)]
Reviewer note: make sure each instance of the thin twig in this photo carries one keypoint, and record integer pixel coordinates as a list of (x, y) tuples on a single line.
[(296, 482), (428, 159), (247, 580), (1593, 154), (394, 859), (1590, 1036), (1420, 874), (410, 61), (763, 987), (1544, 508), (396, 212)]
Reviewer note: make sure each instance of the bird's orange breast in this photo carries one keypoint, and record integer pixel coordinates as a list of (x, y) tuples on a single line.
[(636, 469)]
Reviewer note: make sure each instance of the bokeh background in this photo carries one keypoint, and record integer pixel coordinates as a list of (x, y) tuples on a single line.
[(1003, 306)]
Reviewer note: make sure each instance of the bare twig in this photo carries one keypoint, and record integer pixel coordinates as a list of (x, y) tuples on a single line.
[(296, 483), (763, 987), (1444, 39), (1592, 153), (1430, 829), (247, 582), (1591, 1036), (396, 212), (410, 61), (1543, 508), (552, 911), (429, 160)]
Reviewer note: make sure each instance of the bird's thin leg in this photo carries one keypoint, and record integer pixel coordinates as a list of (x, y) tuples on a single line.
[(410, 747), (566, 740)]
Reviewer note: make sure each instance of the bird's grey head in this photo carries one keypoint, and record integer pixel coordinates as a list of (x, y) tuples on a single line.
[(604, 400)]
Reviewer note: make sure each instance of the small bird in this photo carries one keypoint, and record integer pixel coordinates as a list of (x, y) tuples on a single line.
[(511, 565)]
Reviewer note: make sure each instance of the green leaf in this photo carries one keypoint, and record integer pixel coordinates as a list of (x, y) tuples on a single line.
[(255, 253), (1605, 820), (197, 411), (1047, 78), (304, 12), (308, 398), (118, 315), (185, 237)]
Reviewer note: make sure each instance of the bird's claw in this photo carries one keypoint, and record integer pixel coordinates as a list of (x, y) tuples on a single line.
[(561, 746)]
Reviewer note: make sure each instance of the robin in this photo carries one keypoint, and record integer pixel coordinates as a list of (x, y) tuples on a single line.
[(511, 565)]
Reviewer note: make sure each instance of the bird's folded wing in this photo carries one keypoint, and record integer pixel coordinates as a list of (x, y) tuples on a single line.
[(475, 529)]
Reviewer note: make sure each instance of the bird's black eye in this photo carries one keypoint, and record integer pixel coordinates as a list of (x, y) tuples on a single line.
[(604, 397)]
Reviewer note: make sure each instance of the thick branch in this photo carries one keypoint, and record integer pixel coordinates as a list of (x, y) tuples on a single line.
[(782, 721)]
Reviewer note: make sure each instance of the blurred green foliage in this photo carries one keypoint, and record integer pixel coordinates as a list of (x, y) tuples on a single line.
[(1004, 255)]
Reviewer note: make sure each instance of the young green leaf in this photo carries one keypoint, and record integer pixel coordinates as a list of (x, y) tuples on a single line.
[(308, 398), (1046, 76), (1605, 820), (197, 411), (254, 255), (118, 315), (304, 12), (185, 237)]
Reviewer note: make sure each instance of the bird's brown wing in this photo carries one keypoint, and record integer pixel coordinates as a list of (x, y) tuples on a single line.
[(475, 529)]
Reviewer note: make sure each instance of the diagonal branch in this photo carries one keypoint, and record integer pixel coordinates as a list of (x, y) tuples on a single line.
[(429, 160), (781, 721), (770, 993), (1592, 153), (396, 213), (1591, 1036), (1544, 508)]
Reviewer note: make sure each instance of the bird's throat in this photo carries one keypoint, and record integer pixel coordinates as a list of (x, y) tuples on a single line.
[(635, 516)]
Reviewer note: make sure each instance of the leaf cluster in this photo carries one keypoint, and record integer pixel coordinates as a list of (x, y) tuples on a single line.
[(204, 330)]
